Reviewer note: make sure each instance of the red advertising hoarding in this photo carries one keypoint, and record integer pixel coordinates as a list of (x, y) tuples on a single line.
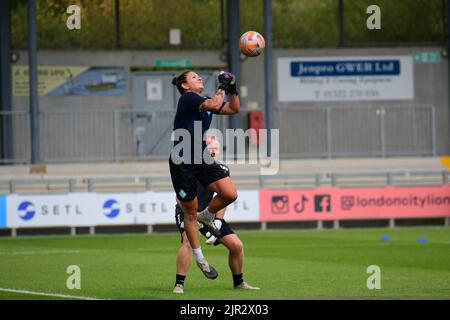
[(354, 203)]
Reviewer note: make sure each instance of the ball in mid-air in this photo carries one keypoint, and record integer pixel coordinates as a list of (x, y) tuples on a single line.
[(252, 44)]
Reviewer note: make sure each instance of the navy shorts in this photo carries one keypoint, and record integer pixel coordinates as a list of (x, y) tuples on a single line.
[(185, 176)]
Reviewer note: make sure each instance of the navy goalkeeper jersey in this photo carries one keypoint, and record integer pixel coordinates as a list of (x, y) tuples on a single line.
[(186, 116)]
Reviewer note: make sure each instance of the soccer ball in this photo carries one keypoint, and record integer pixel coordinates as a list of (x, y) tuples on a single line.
[(252, 44)]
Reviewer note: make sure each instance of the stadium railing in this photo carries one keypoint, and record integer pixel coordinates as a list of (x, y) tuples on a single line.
[(342, 179), (134, 135)]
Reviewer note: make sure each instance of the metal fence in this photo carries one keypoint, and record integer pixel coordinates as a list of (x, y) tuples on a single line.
[(280, 181), (356, 131), (129, 135)]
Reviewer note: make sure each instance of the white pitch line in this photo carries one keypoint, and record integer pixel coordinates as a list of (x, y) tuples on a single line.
[(49, 252), (49, 294), (38, 252)]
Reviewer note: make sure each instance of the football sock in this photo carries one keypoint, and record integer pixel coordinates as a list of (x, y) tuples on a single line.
[(237, 279), (206, 212), (198, 254), (180, 279)]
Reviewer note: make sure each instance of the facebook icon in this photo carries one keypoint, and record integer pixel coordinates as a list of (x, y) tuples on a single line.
[(322, 203)]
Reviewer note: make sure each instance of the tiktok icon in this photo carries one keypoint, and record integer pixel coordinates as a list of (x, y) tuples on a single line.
[(300, 206)]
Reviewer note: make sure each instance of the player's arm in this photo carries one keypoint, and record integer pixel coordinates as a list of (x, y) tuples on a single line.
[(215, 103), (227, 85), (232, 107)]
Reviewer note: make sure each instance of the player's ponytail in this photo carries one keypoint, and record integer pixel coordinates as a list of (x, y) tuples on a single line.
[(179, 80)]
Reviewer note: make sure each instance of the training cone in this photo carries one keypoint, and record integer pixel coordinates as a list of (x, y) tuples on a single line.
[(422, 240)]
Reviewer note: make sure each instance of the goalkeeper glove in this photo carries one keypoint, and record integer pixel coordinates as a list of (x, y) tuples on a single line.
[(226, 79)]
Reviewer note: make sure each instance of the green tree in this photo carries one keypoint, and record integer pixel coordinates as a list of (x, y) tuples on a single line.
[(296, 23), (402, 22)]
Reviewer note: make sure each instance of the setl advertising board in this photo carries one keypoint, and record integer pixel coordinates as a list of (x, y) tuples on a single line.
[(345, 78), (91, 209)]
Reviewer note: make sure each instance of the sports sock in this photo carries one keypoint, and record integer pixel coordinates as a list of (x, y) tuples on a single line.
[(198, 254), (237, 279), (180, 279), (206, 212)]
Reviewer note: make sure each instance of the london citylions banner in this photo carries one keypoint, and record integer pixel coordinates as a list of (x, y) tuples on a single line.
[(345, 78), (390, 202)]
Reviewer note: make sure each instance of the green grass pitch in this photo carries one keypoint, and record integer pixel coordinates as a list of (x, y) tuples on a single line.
[(286, 264)]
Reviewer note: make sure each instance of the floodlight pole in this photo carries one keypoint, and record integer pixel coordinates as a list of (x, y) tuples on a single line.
[(448, 50), (234, 54), (32, 65), (6, 154), (268, 73), (117, 23)]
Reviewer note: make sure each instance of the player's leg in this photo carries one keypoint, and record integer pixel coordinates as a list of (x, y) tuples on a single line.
[(184, 261), (190, 221), (225, 194), (184, 256), (191, 229), (216, 178), (236, 251), (185, 186), (236, 260), (204, 196)]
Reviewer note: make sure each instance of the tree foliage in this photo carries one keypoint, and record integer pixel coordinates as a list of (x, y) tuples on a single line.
[(406, 21), (296, 23)]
